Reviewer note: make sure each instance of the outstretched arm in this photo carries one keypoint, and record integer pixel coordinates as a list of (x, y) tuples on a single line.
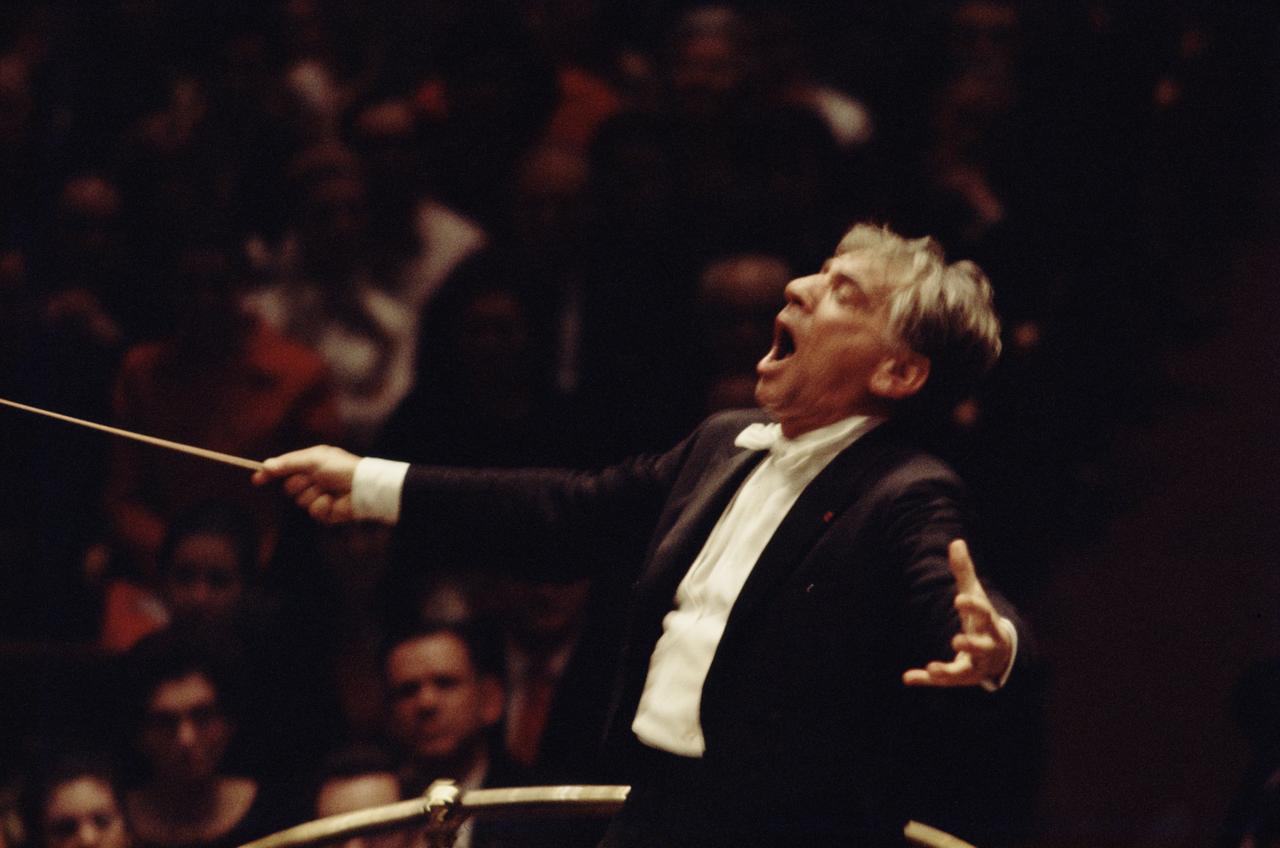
[(986, 642)]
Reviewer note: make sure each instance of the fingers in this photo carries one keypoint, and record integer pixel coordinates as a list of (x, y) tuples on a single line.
[(958, 672), (327, 509), (297, 484), (309, 495), (322, 503), (983, 650), (962, 569), (305, 461), (980, 644), (977, 615)]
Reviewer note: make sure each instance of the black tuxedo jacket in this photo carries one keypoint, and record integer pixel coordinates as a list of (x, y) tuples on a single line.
[(808, 727)]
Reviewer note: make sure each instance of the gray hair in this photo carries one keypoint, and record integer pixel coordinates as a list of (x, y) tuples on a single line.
[(942, 311)]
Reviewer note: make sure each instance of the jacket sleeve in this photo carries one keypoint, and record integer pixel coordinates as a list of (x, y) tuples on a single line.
[(543, 523)]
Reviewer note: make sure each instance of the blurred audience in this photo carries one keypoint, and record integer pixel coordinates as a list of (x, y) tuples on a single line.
[(545, 232), (222, 380)]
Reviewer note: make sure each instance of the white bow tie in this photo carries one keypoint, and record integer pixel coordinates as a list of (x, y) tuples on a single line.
[(787, 454), (759, 436)]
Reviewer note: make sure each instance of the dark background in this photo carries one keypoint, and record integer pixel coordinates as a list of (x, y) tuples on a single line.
[(1123, 452)]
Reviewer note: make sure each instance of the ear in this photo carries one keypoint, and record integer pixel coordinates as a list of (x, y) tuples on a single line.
[(900, 376), (492, 700)]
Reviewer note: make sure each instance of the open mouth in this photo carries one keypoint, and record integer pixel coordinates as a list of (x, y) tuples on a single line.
[(783, 344)]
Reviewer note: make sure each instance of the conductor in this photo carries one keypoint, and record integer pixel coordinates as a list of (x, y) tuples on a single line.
[(803, 572)]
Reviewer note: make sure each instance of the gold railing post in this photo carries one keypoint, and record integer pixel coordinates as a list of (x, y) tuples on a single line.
[(443, 816)]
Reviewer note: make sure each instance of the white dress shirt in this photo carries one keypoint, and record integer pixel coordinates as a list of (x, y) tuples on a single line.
[(667, 717)]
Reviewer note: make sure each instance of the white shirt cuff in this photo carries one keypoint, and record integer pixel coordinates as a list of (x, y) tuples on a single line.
[(1012, 633), (375, 489)]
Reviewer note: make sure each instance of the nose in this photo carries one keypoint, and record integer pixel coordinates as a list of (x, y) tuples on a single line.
[(428, 698), (200, 592), (801, 290), (88, 834), (186, 734)]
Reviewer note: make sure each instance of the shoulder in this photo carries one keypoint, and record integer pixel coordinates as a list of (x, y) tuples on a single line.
[(903, 470), (729, 423)]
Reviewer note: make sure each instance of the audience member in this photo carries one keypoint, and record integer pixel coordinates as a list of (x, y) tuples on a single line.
[(445, 699), (559, 641), (208, 559), (75, 803), (356, 778), (332, 292), (182, 726), (485, 387)]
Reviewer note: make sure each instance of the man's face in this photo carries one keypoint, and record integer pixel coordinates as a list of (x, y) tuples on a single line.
[(184, 732), (440, 706), (829, 341)]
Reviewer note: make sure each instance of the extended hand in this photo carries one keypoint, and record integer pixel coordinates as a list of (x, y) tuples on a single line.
[(318, 478), (983, 646)]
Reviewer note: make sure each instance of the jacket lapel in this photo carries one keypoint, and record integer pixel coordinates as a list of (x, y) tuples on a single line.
[(679, 546), (832, 492)]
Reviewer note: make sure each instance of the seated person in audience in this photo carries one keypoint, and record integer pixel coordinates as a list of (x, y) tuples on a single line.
[(445, 699), (559, 641), (359, 777), (75, 803), (205, 565), (182, 728)]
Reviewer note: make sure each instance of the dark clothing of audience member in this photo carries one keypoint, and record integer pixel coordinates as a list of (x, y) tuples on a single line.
[(182, 713)]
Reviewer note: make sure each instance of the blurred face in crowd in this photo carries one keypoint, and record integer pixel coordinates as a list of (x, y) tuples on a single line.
[(440, 705), (203, 581), (83, 813), (89, 217), (833, 353), (211, 320), (335, 224), (707, 70), (984, 36), (360, 792), (184, 732)]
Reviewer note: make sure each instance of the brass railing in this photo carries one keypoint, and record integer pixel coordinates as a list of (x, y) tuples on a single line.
[(443, 808)]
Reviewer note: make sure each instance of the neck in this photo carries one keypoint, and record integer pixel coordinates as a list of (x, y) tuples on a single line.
[(473, 761), (795, 427), (193, 800)]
